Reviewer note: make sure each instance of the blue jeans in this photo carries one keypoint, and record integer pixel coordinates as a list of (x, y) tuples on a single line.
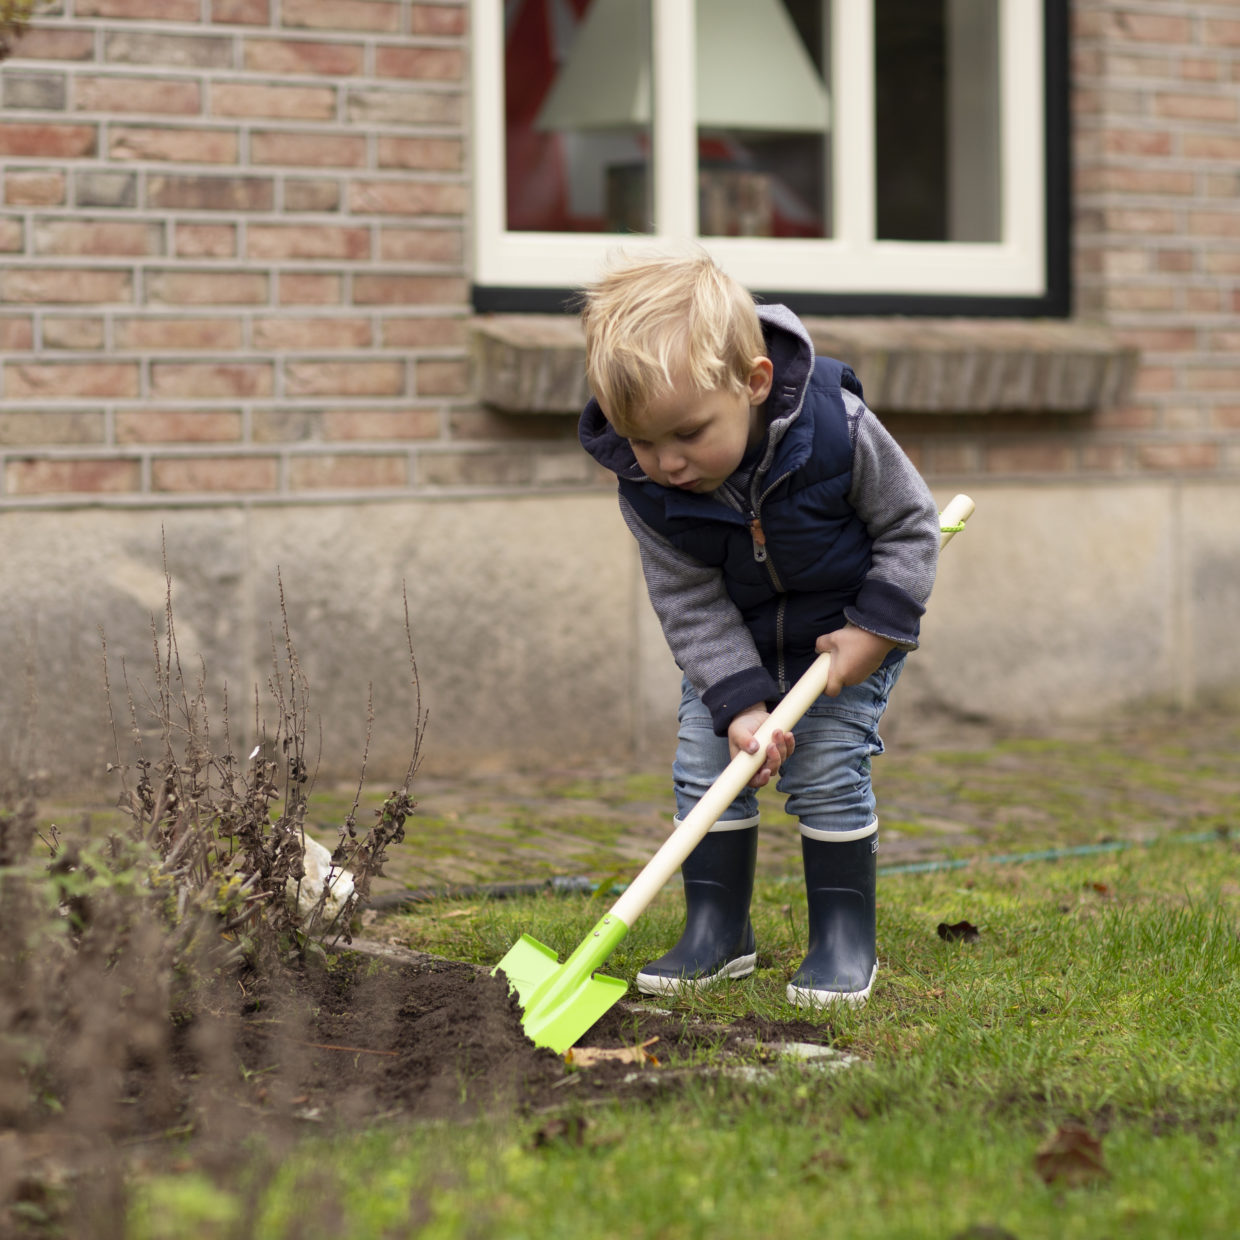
[(826, 778)]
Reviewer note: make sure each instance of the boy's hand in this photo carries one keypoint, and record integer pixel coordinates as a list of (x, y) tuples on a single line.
[(741, 738), (855, 654)]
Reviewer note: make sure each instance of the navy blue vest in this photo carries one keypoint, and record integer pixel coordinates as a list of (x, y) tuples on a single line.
[(817, 548)]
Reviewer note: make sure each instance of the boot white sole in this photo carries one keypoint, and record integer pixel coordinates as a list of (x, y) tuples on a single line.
[(805, 996), (653, 984)]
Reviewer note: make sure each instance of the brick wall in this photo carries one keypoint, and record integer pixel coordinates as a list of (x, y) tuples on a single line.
[(1157, 147), (232, 235)]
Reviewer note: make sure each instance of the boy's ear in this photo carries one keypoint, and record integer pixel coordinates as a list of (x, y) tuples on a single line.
[(761, 376)]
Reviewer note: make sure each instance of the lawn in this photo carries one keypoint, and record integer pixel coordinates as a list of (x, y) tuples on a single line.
[(1066, 1064)]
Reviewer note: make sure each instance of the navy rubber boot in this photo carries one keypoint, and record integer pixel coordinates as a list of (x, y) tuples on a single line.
[(717, 942), (840, 880)]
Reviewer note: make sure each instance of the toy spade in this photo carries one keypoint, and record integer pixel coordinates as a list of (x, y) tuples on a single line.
[(561, 1001)]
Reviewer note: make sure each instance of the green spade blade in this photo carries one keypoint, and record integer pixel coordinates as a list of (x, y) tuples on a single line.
[(561, 1001)]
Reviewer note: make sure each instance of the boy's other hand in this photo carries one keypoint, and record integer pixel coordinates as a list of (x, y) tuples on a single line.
[(855, 654), (741, 739)]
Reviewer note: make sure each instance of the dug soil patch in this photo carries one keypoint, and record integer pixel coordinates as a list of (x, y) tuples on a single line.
[(368, 1040)]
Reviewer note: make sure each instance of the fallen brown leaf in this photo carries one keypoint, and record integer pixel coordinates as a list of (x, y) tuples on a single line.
[(588, 1056), (960, 931), (1071, 1154)]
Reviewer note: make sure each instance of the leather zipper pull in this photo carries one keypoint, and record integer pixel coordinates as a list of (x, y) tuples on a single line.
[(758, 534)]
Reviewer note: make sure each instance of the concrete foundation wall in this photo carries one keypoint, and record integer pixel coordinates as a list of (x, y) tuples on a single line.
[(533, 637)]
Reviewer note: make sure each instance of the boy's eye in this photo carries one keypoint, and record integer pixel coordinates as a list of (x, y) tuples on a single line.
[(687, 436)]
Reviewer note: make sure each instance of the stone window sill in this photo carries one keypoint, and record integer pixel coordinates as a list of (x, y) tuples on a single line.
[(535, 363)]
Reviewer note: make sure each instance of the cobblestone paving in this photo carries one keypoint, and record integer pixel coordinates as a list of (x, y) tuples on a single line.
[(1134, 778)]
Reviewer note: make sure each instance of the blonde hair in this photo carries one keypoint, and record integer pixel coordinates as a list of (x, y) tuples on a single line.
[(654, 320)]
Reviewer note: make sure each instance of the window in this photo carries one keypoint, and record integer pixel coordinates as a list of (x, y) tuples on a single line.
[(838, 155)]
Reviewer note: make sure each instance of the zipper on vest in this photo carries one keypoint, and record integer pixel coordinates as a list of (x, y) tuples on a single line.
[(780, 665)]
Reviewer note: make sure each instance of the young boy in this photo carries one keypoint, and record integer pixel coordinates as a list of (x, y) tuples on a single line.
[(775, 518)]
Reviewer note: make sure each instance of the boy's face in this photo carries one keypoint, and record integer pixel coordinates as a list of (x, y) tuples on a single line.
[(693, 439)]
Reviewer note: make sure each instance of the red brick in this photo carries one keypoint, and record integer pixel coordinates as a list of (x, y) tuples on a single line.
[(1140, 297), (1198, 69), (49, 43), (69, 380), (1212, 378), (1226, 417), (206, 288), (1138, 180), (162, 96), (168, 51), (101, 238), (178, 426), (206, 240), (1159, 339), (443, 20), (380, 424), (1153, 221), (423, 333), (241, 12), (162, 331), (153, 10), (1124, 418), (210, 193), (1176, 260), (302, 56), (404, 106), (12, 236), (347, 472), (1136, 142), (311, 194), (312, 103), (407, 198), (475, 469), (73, 286), (186, 146), (421, 154), (1204, 300), (1178, 457), (35, 187), (215, 474), (441, 378), (72, 477), (304, 288), (1214, 223), (206, 380), (1221, 32), (421, 245), (401, 290), (52, 426), (310, 150), (352, 378), (1198, 107), (375, 15), (16, 334), (48, 141), (312, 333), (1147, 28), (1105, 458), (305, 241), (72, 332), (1029, 457), (411, 64)]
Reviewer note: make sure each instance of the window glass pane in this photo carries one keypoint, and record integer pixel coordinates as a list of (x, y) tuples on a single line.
[(763, 116), (936, 87), (577, 91)]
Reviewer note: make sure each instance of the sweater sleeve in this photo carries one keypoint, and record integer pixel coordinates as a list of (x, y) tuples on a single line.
[(706, 634), (902, 519)]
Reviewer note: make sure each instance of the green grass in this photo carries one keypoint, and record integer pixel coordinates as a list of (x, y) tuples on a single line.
[(1102, 989)]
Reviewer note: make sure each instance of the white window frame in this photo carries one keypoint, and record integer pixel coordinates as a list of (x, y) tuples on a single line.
[(854, 261)]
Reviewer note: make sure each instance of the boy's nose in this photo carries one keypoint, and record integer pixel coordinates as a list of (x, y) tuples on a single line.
[(671, 460)]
